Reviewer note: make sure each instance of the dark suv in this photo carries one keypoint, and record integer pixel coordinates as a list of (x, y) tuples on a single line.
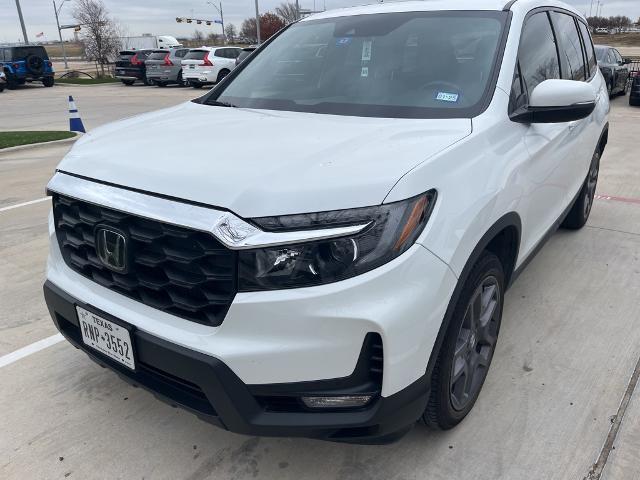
[(130, 66), (26, 64)]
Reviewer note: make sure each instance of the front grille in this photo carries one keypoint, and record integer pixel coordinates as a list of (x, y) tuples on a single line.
[(180, 271)]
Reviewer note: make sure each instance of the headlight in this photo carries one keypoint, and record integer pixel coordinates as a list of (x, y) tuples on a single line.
[(392, 229)]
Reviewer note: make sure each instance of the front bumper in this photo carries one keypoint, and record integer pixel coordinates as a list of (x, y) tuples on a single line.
[(207, 387)]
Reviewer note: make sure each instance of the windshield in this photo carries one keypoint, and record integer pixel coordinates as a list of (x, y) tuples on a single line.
[(20, 53), (403, 65), (601, 53)]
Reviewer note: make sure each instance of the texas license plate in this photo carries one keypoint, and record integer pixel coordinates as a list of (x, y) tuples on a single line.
[(106, 337)]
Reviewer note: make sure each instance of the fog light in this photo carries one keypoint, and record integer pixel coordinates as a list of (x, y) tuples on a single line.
[(343, 401)]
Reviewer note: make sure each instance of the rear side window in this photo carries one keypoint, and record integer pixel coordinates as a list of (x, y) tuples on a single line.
[(569, 46), (196, 55), (588, 46), (537, 59), (221, 52), (181, 53)]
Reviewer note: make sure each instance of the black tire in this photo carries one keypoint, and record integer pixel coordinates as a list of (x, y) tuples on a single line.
[(128, 82), (12, 82), (634, 102), (195, 84), (180, 81), (579, 213), (147, 82), (467, 345), (221, 74), (48, 81), (160, 84), (609, 88), (1, 88)]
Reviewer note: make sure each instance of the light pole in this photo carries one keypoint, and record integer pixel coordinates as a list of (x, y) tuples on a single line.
[(57, 11), (219, 9), (24, 30), (257, 22)]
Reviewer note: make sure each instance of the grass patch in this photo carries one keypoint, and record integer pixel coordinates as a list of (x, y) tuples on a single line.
[(86, 81), (13, 139)]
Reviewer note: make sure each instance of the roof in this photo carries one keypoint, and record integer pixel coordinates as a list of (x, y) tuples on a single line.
[(436, 5)]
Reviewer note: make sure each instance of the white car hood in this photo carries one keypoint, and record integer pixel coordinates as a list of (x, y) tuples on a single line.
[(260, 163)]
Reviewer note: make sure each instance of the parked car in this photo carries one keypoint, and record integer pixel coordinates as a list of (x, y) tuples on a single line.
[(149, 42), (244, 54), (164, 67), (343, 274), (614, 69), (208, 65), (130, 66), (3, 81), (26, 64), (634, 91)]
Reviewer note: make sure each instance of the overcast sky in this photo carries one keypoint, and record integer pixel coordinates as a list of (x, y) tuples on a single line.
[(158, 16)]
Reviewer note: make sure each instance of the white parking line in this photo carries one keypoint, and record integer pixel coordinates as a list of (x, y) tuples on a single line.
[(9, 358), (24, 204)]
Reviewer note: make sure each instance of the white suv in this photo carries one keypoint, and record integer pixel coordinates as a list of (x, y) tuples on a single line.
[(342, 274), (207, 65)]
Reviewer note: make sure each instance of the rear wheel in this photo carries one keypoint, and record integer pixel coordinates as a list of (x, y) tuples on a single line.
[(12, 82), (468, 346), (161, 84), (147, 82), (128, 82), (579, 213), (195, 84), (223, 73), (48, 81), (609, 88)]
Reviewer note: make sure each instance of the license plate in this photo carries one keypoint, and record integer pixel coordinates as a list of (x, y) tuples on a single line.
[(106, 337), (192, 67)]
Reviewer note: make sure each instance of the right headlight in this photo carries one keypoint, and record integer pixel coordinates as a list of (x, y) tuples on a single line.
[(391, 229)]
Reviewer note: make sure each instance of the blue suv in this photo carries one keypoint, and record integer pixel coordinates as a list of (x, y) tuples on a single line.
[(26, 64)]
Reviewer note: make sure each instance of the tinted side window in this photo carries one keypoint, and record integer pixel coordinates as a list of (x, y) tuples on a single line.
[(181, 53), (537, 59), (571, 59), (220, 52), (588, 46), (234, 52), (617, 56)]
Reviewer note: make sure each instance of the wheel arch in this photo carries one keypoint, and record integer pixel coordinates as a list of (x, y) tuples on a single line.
[(501, 239)]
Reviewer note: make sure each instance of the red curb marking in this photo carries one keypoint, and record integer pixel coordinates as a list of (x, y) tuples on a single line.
[(618, 199)]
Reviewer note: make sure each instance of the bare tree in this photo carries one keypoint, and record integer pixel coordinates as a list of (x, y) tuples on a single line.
[(287, 12), (198, 36), (99, 32), (230, 31)]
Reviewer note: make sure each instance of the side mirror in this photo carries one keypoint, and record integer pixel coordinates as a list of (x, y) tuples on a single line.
[(556, 101)]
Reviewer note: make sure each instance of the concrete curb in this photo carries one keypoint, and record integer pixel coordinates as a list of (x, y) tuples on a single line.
[(91, 85), (41, 144)]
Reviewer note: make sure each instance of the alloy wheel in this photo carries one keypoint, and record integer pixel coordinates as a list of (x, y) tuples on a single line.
[(475, 343), (590, 191)]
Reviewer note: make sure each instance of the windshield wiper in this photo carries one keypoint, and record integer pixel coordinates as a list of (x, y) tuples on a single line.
[(217, 103)]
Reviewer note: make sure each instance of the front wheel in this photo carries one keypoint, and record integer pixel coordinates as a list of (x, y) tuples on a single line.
[(579, 213), (467, 350), (128, 82), (195, 84), (48, 81)]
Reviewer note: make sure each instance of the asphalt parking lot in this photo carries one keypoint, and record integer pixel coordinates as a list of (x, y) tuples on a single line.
[(558, 397)]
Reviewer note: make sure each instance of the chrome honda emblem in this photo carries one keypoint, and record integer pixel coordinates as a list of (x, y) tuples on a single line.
[(111, 247)]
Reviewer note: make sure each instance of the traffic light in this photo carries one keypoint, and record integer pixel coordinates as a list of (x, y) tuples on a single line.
[(209, 23), (77, 28), (199, 22), (188, 20), (178, 19)]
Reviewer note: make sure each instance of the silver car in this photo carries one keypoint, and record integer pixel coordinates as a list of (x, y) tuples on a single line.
[(164, 67)]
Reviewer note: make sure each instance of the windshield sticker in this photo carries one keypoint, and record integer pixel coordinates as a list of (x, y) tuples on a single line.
[(366, 50), (343, 41), (364, 72), (447, 97)]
